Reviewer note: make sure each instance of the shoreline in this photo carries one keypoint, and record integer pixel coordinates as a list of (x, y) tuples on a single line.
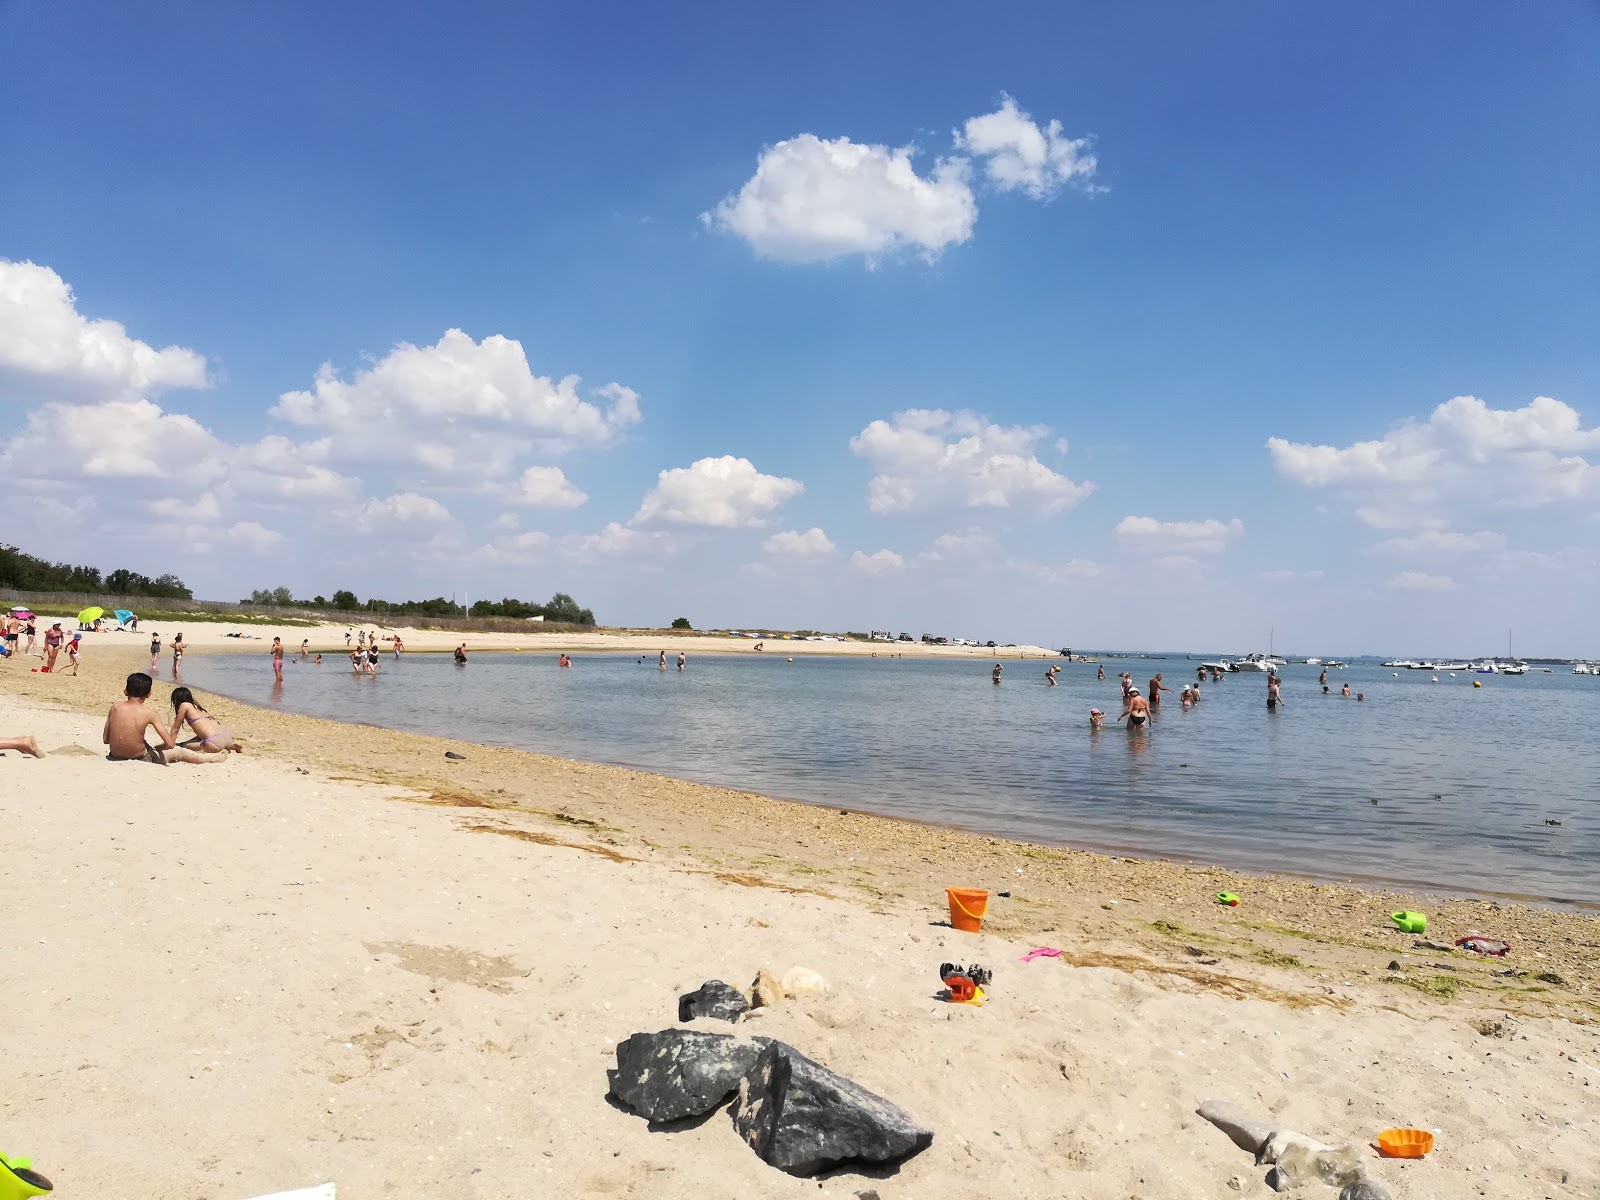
[(1426, 890), (313, 948), (1423, 890), (762, 834)]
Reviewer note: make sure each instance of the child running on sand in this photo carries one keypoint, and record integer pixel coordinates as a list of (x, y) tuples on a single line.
[(126, 722), (209, 732)]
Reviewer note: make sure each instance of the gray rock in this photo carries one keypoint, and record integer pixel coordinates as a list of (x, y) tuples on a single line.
[(1248, 1131), (1365, 1189), (803, 1118), (713, 998), (680, 1073)]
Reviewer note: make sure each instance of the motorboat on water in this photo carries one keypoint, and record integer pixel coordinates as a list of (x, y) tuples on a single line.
[(1586, 668), (1404, 663), (1452, 666), (1260, 663)]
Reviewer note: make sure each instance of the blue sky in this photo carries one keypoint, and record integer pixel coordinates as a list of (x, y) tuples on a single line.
[(1320, 224)]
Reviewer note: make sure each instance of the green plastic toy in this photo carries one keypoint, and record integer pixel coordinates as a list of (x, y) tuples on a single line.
[(1410, 922), (18, 1180), (1228, 898)]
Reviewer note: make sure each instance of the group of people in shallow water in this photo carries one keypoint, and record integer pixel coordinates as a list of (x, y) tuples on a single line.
[(364, 654), (1138, 704)]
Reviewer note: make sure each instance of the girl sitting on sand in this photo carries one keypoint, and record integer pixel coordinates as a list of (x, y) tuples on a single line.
[(209, 732)]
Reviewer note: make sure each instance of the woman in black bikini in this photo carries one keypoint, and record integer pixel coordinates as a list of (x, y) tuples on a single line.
[(1137, 710)]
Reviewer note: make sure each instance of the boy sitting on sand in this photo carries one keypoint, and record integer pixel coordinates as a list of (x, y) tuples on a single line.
[(128, 719)]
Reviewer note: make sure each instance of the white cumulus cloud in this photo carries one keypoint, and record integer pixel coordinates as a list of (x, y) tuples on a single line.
[(457, 407), (203, 508), (726, 493), (1017, 153), (114, 440), (513, 550), (879, 562), (1465, 456), (614, 538), (278, 470), (811, 543), (403, 508), (545, 487), (1421, 581), (929, 459), (47, 348), (1178, 538), (812, 199)]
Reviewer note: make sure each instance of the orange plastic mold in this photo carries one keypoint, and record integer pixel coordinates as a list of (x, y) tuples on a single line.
[(1404, 1143)]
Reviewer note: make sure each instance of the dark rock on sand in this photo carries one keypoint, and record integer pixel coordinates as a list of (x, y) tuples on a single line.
[(713, 998), (680, 1073), (803, 1118)]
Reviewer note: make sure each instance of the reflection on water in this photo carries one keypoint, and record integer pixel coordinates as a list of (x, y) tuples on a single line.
[(1465, 780)]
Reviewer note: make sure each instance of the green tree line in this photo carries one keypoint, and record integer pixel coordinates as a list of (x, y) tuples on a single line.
[(560, 607), (25, 573)]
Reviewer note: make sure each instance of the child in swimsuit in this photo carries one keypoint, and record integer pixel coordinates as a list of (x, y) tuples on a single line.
[(209, 732)]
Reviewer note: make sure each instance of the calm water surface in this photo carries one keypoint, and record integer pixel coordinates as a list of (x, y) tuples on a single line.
[(1465, 779)]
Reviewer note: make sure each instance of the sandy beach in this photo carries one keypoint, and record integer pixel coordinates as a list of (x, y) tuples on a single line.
[(246, 636), (343, 957)]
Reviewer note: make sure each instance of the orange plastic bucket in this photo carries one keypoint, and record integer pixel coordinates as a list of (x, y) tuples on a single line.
[(967, 908)]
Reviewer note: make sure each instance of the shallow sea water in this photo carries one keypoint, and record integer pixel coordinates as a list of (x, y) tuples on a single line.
[(1465, 779)]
